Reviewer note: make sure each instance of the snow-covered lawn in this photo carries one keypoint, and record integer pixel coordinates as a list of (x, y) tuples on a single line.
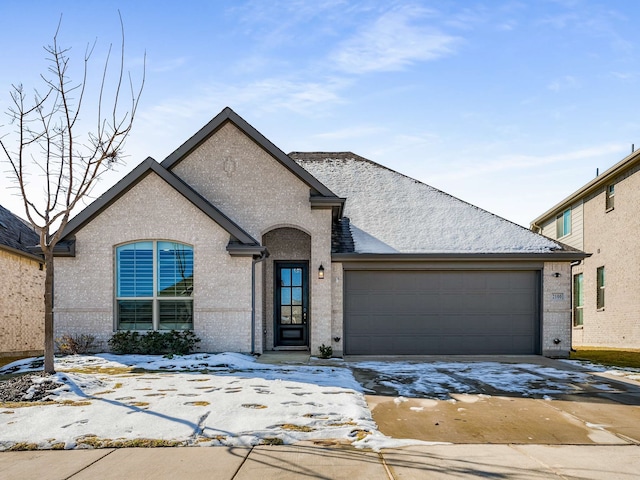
[(230, 399), (199, 399)]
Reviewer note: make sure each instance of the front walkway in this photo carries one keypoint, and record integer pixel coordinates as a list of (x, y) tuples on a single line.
[(310, 461)]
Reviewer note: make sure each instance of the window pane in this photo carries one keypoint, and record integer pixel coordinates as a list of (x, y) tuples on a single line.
[(566, 222), (600, 281), (135, 270), (578, 290), (175, 270), (135, 314), (285, 277), (175, 314), (285, 315), (297, 295), (285, 296), (296, 315), (297, 277)]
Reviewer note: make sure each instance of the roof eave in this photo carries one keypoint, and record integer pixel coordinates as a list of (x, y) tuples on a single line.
[(463, 256), (32, 256), (605, 177)]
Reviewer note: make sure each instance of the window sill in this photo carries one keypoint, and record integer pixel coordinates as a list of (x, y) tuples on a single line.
[(600, 309), (578, 327), (610, 209)]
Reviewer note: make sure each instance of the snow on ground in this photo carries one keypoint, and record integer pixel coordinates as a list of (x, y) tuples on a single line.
[(199, 399), (441, 379), (625, 373), (230, 399)]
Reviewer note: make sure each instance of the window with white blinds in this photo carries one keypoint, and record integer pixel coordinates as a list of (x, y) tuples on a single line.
[(154, 286)]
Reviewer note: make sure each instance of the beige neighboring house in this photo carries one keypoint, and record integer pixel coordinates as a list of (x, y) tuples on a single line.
[(603, 219), (22, 289), (257, 250)]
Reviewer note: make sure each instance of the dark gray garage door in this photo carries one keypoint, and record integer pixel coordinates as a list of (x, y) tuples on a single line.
[(441, 312)]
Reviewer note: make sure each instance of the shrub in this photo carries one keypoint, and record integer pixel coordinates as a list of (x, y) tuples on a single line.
[(325, 351), (75, 344), (154, 343)]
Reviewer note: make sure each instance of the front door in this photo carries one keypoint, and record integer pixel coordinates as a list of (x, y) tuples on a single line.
[(291, 304)]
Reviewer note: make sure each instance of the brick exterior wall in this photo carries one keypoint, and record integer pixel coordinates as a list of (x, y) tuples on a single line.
[(556, 309), (247, 185), (84, 284), (612, 239), (261, 195), (21, 305)]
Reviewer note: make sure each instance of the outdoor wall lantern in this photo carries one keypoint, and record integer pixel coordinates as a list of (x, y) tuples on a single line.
[(321, 272), (557, 274)]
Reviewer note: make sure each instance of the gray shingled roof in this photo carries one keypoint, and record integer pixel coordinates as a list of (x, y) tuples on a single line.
[(16, 234), (391, 213)]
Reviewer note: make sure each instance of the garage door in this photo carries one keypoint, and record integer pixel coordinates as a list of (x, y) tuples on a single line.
[(441, 312)]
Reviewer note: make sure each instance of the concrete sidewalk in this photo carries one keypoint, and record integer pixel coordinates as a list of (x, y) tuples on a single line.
[(308, 461)]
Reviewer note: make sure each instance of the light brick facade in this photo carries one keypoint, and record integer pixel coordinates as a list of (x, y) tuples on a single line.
[(233, 197), (21, 305), (611, 236)]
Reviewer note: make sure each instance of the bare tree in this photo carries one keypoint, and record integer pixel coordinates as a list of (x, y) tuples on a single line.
[(46, 143)]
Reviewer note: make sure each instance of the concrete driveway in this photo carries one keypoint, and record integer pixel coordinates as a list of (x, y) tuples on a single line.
[(499, 400)]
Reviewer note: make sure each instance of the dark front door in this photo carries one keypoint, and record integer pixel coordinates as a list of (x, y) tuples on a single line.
[(291, 304)]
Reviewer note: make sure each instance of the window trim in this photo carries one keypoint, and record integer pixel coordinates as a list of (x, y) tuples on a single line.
[(563, 227), (578, 294), (600, 285), (156, 298), (609, 194)]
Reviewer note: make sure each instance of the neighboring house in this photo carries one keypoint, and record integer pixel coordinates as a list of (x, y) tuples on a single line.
[(603, 219), (22, 292), (232, 238)]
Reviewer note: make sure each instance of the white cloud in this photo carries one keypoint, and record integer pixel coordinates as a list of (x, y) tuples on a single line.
[(519, 162), (563, 83), (393, 42), (351, 132)]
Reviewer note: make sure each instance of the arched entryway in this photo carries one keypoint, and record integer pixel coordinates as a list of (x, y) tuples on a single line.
[(286, 299)]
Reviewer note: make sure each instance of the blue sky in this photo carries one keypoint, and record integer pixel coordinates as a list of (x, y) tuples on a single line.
[(509, 105)]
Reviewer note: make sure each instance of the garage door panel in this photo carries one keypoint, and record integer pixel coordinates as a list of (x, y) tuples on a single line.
[(441, 312)]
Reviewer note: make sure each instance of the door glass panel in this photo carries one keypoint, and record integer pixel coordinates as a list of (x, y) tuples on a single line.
[(297, 296), (297, 277), (285, 315), (285, 277), (296, 316), (285, 296)]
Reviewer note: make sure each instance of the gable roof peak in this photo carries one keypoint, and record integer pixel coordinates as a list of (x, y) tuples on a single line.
[(228, 115)]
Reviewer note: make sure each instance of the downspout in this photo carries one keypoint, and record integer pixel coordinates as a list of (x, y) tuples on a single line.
[(256, 259)]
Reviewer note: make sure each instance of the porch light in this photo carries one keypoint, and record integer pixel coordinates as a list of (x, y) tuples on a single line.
[(321, 272)]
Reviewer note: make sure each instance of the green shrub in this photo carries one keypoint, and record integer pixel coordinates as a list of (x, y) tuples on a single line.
[(154, 343), (75, 344), (325, 351)]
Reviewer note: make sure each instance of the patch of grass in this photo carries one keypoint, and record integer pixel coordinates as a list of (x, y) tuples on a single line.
[(7, 360), (200, 403), (26, 404), (94, 441), (613, 358), (296, 428), (22, 447), (342, 424), (95, 369), (139, 404), (118, 385), (359, 434), (271, 441), (105, 392), (253, 405), (74, 403)]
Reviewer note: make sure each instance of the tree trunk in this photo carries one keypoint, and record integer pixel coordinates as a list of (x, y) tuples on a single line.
[(48, 312)]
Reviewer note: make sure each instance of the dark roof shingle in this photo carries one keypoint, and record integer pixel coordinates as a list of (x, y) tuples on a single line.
[(15, 233)]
